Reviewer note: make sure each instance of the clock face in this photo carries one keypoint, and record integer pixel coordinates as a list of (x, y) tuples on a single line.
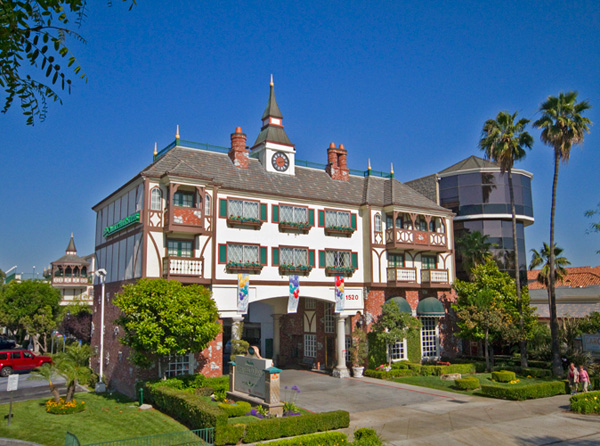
[(280, 162)]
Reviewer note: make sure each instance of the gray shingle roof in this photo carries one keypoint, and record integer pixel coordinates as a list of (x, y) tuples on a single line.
[(307, 183), (472, 162)]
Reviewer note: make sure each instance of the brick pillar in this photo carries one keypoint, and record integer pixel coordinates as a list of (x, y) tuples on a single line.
[(238, 153)]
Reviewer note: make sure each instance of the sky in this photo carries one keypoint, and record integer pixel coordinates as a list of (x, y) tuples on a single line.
[(402, 82)]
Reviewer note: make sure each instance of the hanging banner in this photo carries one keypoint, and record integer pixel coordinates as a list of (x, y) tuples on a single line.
[(294, 294), (242, 304), (340, 297)]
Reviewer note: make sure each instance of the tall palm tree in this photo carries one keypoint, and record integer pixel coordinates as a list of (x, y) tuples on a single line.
[(474, 249), (504, 141), (542, 257), (562, 127)]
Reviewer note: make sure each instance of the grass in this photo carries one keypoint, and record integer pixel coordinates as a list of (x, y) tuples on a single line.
[(106, 418), (434, 382)]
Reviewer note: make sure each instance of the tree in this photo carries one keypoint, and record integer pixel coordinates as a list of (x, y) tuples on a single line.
[(31, 307), (563, 126), (594, 227), (393, 325), (504, 142), (34, 33), (542, 257), (487, 308), (77, 321), (474, 249), (162, 317), (73, 364)]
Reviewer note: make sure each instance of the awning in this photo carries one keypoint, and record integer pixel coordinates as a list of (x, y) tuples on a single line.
[(402, 304), (430, 306)]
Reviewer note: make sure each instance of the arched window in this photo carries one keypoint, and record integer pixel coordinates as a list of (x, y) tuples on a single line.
[(68, 272), (83, 271), (156, 199), (76, 271), (207, 204), (421, 223), (377, 223)]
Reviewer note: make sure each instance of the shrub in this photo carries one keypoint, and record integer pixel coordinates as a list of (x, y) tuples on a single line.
[(586, 402), (229, 434), (383, 374), (291, 426), (463, 369), (503, 376), (531, 391), (186, 407), (235, 410), (321, 439), (468, 383), (366, 437), (535, 372), (64, 408)]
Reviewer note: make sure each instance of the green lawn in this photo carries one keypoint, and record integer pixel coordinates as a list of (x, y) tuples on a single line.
[(106, 418), (434, 382)]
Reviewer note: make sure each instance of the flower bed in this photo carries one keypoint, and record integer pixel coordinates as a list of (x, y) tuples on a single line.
[(586, 402), (63, 407)]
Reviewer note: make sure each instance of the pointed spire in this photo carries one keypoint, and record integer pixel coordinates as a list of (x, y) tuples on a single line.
[(177, 134), (71, 247), (155, 151), (392, 170), (369, 168), (272, 109), (271, 84)]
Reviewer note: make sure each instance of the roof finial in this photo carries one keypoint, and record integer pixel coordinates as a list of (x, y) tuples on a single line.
[(392, 170), (177, 134), (71, 235), (155, 151), (271, 84), (369, 164)]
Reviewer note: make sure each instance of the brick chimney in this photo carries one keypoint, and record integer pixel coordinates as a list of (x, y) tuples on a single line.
[(337, 166), (239, 153)]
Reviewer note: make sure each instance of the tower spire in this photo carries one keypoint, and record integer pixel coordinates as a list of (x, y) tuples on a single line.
[(71, 247)]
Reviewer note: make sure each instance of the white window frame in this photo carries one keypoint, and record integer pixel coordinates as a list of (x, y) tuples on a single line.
[(178, 365), (247, 253), (179, 248), (156, 199), (378, 226), (338, 258), (184, 203), (398, 351), (299, 214), (207, 204), (247, 209), (348, 346), (337, 218), (428, 335), (310, 345), (299, 256), (329, 318)]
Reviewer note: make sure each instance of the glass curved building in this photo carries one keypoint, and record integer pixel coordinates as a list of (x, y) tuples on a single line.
[(478, 193)]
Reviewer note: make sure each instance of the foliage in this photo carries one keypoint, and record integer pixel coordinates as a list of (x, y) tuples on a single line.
[(229, 434), (63, 407), (393, 325), (539, 344), (47, 372), (542, 257), (34, 33), (30, 306), (78, 324), (594, 227), (503, 376), (531, 391), (73, 365), (197, 383), (163, 317), (236, 409), (588, 402), (473, 249), (366, 437), (468, 383), (403, 368), (320, 439), (358, 350)]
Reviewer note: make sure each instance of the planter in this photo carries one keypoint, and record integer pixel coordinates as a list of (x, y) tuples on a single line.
[(290, 271), (357, 372), (253, 223), (342, 232), (292, 227), (249, 269), (334, 271)]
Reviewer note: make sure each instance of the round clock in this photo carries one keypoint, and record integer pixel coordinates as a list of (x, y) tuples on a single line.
[(280, 162)]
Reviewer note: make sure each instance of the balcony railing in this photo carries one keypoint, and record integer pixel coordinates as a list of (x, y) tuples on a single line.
[(185, 219), (70, 280), (435, 277), (183, 266), (401, 275), (411, 239)]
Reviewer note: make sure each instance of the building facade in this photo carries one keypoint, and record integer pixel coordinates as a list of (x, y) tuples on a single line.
[(205, 214), (477, 193)]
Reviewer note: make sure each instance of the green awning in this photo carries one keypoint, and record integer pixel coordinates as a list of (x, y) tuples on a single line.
[(402, 304), (430, 306)]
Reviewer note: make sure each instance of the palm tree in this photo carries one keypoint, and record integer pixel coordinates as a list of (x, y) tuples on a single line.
[(504, 142), (73, 364), (562, 127), (543, 258), (474, 249)]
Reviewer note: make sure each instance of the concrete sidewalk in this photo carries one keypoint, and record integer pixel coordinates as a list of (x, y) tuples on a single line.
[(410, 415)]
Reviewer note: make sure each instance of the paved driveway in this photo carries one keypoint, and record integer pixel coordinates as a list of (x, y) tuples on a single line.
[(406, 415)]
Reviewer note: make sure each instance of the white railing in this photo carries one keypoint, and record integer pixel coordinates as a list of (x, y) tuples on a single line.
[(183, 266), (76, 280), (399, 274), (434, 276), (437, 239)]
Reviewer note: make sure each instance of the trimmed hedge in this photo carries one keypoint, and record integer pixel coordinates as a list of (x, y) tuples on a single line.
[(468, 383), (503, 376), (383, 374), (586, 402), (403, 368), (290, 426), (321, 439), (535, 372), (366, 437), (187, 408), (229, 434), (531, 391), (238, 409)]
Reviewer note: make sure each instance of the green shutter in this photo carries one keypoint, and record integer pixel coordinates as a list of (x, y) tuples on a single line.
[(275, 214), (311, 217), (355, 260), (263, 212), (311, 257), (222, 253), (321, 218), (322, 259), (275, 256), (223, 208), (353, 221), (263, 255)]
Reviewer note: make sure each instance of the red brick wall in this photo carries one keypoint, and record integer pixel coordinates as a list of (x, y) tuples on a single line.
[(189, 216)]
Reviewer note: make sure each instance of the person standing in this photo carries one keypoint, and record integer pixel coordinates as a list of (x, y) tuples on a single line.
[(584, 378), (573, 378)]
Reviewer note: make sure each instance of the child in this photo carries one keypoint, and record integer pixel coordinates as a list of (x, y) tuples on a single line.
[(584, 378)]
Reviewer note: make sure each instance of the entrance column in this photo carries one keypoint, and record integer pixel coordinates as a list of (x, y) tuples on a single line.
[(340, 371), (236, 322), (276, 339)]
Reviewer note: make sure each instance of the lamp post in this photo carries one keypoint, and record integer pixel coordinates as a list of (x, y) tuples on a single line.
[(101, 274)]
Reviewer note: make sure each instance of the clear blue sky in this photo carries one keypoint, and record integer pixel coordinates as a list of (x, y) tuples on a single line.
[(405, 82)]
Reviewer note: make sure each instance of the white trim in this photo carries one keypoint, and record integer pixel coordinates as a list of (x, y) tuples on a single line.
[(483, 169), (494, 217)]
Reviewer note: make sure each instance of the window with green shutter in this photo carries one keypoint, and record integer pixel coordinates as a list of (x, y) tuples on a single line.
[(223, 208), (311, 257), (263, 212), (311, 217), (353, 221), (322, 263), (263, 255), (275, 256), (355, 260), (222, 253), (321, 218), (275, 213)]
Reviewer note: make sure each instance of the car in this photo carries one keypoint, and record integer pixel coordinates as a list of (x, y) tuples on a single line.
[(20, 360), (6, 343)]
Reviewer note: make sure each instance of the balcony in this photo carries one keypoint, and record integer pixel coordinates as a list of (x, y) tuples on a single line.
[(402, 277), (185, 219), (181, 267), (416, 240), (435, 278), (243, 222), (70, 280)]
